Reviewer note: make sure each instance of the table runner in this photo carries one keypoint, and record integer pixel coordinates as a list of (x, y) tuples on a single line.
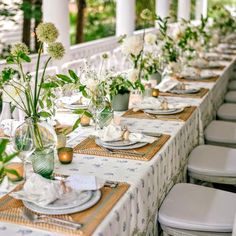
[(10, 211), (183, 116), (202, 92), (89, 147)]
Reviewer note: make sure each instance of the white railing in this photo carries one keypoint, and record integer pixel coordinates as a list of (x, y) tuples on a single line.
[(83, 50)]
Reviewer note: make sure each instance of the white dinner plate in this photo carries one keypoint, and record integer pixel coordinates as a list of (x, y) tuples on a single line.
[(75, 106), (120, 143), (95, 197), (185, 91), (133, 146), (164, 112), (70, 200)]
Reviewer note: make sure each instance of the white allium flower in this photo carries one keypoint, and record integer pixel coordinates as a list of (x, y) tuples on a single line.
[(133, 75), (92, 84), (150, 39), (132, 45)]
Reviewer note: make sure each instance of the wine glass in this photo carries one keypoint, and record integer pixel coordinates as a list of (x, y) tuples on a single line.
[(96, 106), (23, 142)]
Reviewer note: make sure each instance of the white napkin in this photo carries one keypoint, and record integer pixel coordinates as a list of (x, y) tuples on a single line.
[(167, 84), (154, 104), (39, 190), (84, 182), (190, 71), (69, 100), (147, 103), (6, 186), (114, 132)]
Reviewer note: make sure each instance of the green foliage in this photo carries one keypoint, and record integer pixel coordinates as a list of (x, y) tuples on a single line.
[(4, 159)]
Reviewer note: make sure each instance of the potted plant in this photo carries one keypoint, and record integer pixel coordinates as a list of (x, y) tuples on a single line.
[(119, 91)]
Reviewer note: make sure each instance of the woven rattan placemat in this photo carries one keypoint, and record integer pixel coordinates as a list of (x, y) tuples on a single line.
[(200, 94), (11, 211), (89, 147), (210, 80), (183, 116)]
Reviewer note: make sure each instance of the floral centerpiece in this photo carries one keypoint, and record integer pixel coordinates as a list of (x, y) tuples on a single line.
[(34, 95)]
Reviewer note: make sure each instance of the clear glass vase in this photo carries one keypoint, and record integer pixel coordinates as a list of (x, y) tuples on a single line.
[(36, 140)]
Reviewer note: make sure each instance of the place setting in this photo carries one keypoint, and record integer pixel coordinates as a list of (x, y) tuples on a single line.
[(191, 74), (118, 142), (73, 204), (160, 109), (71, 103), (202, 63), (174, 88)]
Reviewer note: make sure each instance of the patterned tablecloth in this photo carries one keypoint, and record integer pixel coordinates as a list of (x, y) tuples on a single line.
[(150, 181)]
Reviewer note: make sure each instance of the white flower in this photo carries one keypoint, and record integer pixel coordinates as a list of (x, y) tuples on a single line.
[(150, 39), (132, 46), (133, 75), (92, 84)]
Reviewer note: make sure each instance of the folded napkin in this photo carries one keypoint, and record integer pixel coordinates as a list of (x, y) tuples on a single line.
[(70, 100), (115, 132), (147, 103), (167, 84), (39, 190), (43, 191), (190, 71)]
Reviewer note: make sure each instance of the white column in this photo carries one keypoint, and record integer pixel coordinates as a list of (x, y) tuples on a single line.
[(162, 8), (125, 17), (201, 9), (57, 12), (184, 9)]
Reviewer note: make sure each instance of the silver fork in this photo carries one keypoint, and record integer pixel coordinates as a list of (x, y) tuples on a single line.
[(34, 218)]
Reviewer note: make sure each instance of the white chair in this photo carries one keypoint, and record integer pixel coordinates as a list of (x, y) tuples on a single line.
[(78, 66), (230, 97), (221, 133), (120, 62), (232, 85), (212, 164), (195, 210), (227, 112)]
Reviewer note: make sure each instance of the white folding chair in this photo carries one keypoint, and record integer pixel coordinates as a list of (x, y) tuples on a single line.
[(221, 133), (196, 210), (213, 164)]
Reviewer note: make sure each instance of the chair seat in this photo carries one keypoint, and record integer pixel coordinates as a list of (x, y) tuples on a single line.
[(213, 161), (221, 132), (227, 111), (230, 97), (198, 208), (232, 85)]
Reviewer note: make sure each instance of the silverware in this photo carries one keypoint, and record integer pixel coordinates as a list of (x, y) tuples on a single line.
[(35, 218), (163, 117)]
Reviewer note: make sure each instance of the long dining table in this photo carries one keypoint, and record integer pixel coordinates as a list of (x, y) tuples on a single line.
[(150, 181)]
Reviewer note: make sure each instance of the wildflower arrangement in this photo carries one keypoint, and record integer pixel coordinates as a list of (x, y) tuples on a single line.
[(32, 94)]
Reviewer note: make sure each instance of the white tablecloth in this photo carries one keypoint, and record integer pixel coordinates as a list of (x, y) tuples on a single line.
[(136, 212)]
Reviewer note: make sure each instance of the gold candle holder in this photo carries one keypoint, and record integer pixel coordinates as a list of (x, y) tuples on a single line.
[(155, 92), (65, 155), (19, 168), (85, 120)]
